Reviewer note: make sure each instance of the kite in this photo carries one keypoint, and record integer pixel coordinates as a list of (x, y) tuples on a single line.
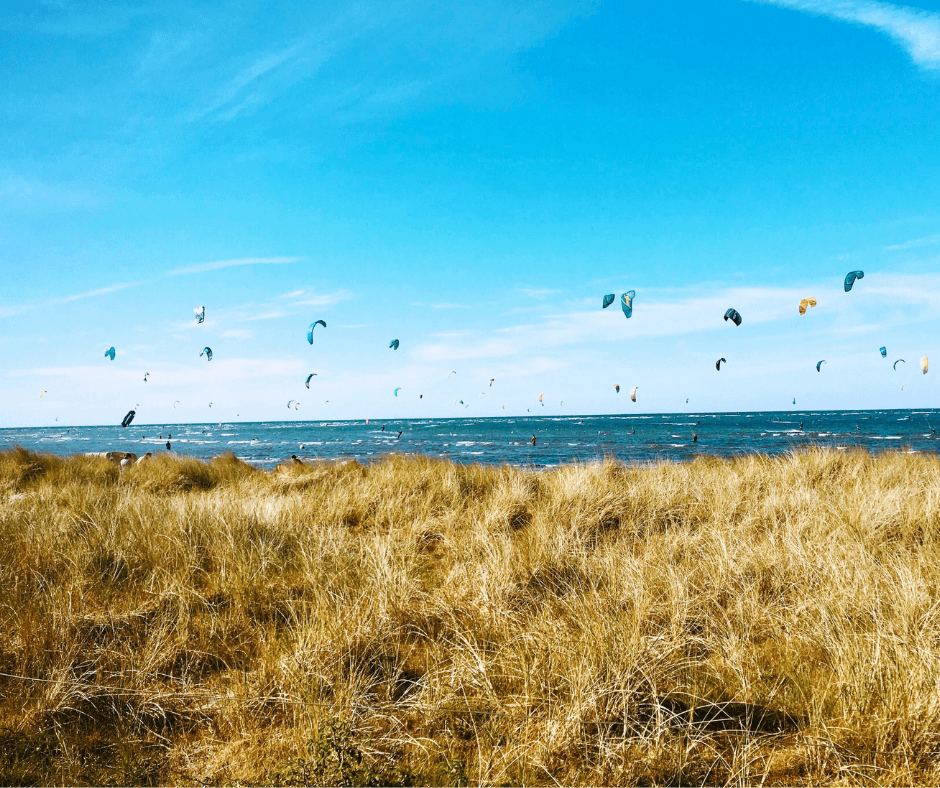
[(313, 325), (626, 301), (393, 344), (207, 352), (200, 312), (734, 316), (850, 278), (608, 300), (110, 353), (718, 363)]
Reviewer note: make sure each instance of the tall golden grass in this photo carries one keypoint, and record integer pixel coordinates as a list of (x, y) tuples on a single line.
[(754, 621)]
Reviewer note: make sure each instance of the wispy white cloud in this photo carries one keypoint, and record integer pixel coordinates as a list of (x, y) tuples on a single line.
[(916, 243), (220, 264), (449, 306), (914, 29), (19, 309), (92, 293), (313, 298), (661, 314), (230, 91)]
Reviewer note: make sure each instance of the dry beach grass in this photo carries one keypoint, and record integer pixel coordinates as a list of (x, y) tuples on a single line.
[(760, 620)]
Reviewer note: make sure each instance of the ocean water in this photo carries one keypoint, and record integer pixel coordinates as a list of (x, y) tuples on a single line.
[(559, 440)]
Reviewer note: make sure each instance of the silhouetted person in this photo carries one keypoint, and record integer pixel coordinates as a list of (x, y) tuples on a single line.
[(801, 426), (296, 459), (383, 428), (400, 432), (167, 445), (694, 438)]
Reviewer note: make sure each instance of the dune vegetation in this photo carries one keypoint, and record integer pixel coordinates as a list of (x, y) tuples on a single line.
[(750, 621)]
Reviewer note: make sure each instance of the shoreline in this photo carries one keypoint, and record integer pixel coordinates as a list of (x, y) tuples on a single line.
[(637, 439)]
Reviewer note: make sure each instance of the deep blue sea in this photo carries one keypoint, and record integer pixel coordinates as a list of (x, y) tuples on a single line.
[(559, 440)]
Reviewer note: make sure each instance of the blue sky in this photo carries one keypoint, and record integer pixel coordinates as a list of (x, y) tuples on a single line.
[(470, 180)]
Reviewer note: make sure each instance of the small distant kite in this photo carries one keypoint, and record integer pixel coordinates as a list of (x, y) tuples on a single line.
[(128, 418), (452, 372), (850, 278), (806, 302), (923, 365), (175, 404), (633, 393), (200, 312), (307, 381), (492, 380), (42, 392), (110, 353), (146, 375), (734, 316), (617, 387), (397, 390), (819, 364), (626, 302), (884, 351), (896, 364), (393, 344), (313, 325), (207, 352), (608, 300), (718, 363)]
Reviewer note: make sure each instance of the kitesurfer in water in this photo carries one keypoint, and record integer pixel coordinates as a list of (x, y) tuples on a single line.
[(167, 445), (694, 438), (400, 432), (533, 440)]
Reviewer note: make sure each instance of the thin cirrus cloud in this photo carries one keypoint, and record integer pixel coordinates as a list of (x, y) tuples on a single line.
[(227, 94), (220, 264), (12, 311), (917, 31), (312, 298), (916, 243), (99, 292)]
